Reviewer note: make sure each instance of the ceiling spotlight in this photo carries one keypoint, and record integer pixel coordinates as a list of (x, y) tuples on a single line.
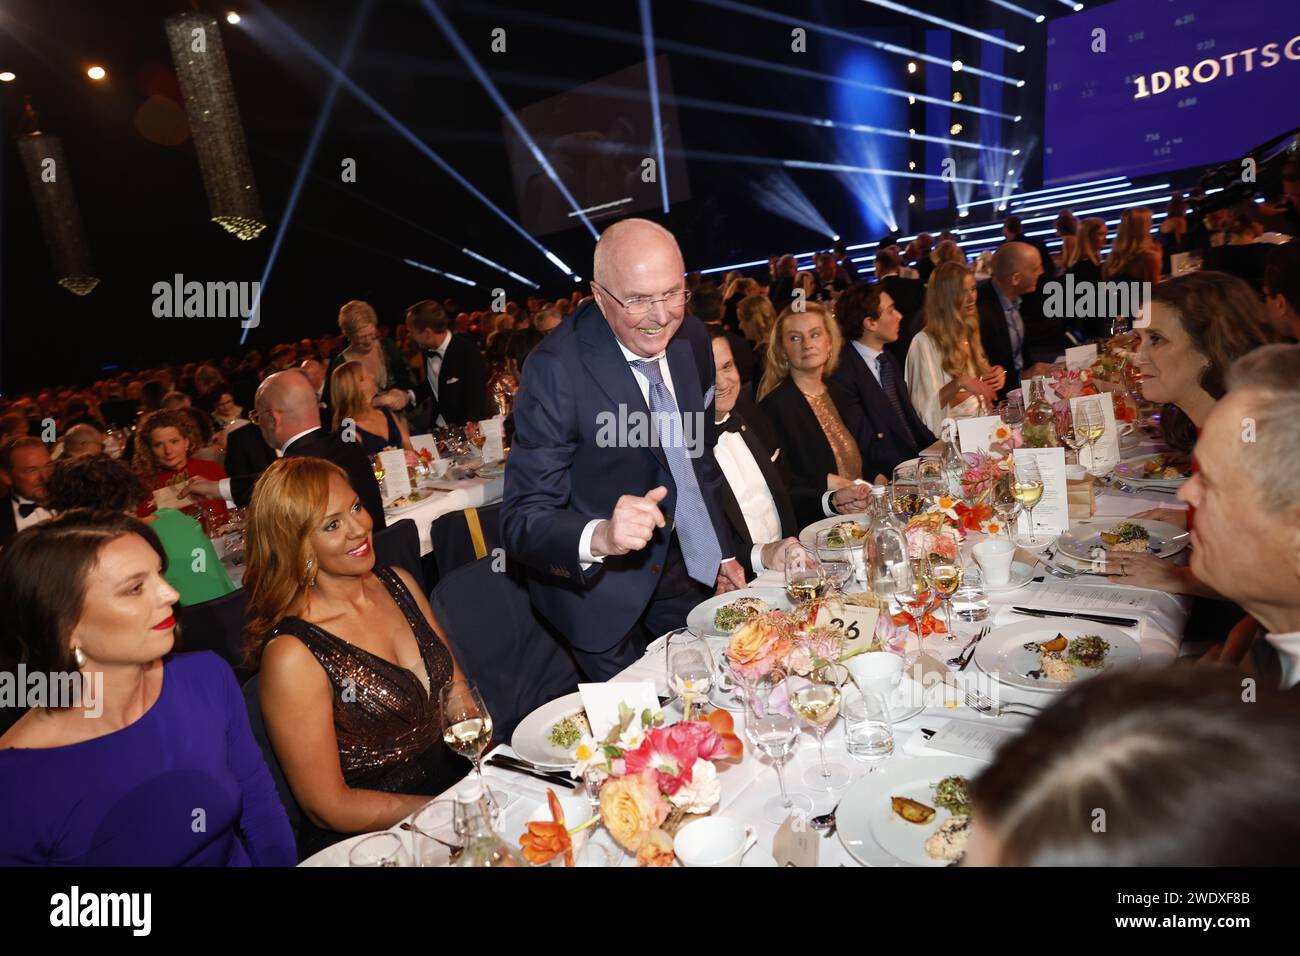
[(1002, 208), (997, 182), (1010, 173), (97, 73), (911, 66), (1019, 83), (954, 129), (1040, 18), (232, 18), (911, 101), (835, 238), (911, 131), (1017, 119), (957, 65), (1015, 152), (1078, 7), (911, 198), (1021, 48), (911, 164), (956, 97), (7, 77), (963, 213)]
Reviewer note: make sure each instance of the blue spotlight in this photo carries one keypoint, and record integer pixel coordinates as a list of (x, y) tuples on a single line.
[(652, 77), (445, 25), (449, 275), (941, 22), (778, 194), (363, 11), (500, 268), (370, 103)]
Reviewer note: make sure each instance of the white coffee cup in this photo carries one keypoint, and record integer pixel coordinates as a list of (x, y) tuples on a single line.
[(994, 557), (877, 672), (713, 841)]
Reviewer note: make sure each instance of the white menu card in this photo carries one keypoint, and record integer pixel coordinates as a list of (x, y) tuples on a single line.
[(397, 481), (976, 434), (1080, 357), (1106, 450), (493, 430), (425, 442), (1052, 513)]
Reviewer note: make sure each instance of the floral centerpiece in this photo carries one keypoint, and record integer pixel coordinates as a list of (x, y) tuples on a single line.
[(650, 776), (1074, 384)]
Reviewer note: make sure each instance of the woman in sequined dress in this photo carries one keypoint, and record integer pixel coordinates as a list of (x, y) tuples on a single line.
[(352, 660)]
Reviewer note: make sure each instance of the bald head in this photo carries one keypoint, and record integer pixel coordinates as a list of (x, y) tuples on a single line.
[(638, 262), (1016, 268), (286, 403)]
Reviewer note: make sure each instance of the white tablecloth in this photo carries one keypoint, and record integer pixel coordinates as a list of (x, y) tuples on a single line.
[(468, 493)]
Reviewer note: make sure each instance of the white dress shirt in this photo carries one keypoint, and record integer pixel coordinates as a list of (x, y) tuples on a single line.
[(751, 490), (36, 517), (1288, 653), (872, 358), (432, 369)]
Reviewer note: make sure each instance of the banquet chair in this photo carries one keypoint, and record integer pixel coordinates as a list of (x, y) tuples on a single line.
[(501, 643), (464, 536), (217, 626), (258, 727), (398, 545)]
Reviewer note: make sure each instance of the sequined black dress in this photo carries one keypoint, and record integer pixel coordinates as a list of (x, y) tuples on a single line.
[(389, 728)]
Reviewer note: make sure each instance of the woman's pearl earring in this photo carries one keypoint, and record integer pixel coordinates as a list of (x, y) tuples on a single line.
[(79, 656)]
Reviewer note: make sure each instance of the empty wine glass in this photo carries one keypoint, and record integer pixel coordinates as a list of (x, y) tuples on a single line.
[(1012, 411), (1066, 431), (804, 577), (772, 734), (690, 668), (1005, 502), (379, 849), (837, 558)]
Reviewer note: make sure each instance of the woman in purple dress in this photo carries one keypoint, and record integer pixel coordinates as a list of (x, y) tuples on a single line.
[(151, 761)]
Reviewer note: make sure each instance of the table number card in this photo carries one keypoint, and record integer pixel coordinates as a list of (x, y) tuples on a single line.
[(1052, 513), (857, 622), (1080, 357), (976, 434), (493, 430), (397, 481), (1107, 448), (425, 443)]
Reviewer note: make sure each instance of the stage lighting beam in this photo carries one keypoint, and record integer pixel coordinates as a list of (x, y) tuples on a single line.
[(652, 78), (449, 275), (941, 22), (1007, 5), (500, 268)]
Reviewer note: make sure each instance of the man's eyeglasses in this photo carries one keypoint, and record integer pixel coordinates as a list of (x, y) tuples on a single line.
[(254, 416), (640, 306)]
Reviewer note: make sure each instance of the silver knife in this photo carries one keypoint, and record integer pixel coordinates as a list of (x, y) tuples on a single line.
[(1098, 618), (505, 763)]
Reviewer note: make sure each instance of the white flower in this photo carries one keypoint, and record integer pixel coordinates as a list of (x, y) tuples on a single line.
[(587, 753), (631, 738), (704, 790)]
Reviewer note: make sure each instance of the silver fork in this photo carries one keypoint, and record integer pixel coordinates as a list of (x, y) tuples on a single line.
[(953, 662), (977, 701)]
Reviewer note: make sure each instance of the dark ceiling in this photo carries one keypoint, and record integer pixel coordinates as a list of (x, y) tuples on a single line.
[(146, 216)]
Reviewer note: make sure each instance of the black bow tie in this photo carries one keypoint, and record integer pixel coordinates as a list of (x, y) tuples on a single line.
[(732, 424), (25, 509), (432, 353)]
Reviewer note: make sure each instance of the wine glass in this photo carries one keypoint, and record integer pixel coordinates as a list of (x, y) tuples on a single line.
[(804, 577), (690, 668), (932, 478), (1091, 424), (1005, 502), (379, 849), (1067, 431), (818, 703), (909, 586), (467, 727), (1012, 411), (836, 559), (772, 734), (1028, 489), (943, 570)]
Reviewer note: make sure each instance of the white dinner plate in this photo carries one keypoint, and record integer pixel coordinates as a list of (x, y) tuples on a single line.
[(1004, 656), (1084, 537), (423, 500), (1132, 470), (700, 620), (1021, 574), (877, 836), (529, 739), (808, 536)]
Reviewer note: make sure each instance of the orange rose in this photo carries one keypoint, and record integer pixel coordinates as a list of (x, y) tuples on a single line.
[(631, 807), (657, 850)]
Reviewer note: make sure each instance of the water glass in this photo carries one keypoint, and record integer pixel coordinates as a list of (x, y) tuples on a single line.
[(868, 734), (970, 602), (379, 849)]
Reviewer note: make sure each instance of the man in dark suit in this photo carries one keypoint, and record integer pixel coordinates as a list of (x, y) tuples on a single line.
[(1013, 231), (781, 291), (288, 414), (612, 498), (707, 305), (891, 430), (1016, 269), (25, 462), (455, 381), (755, 493), (908, 296), (247, 456)]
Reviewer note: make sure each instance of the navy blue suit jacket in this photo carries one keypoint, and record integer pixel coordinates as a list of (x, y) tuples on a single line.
[(883, 439), (563, 472)]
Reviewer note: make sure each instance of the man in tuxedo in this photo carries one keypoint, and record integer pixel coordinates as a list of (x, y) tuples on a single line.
[(613, 498), (314, 369), (908, 296), (891, 430), (288, 415), (708, 306), (455, 381), (26, 465), (1016, 268), (755, 492), (247, 456)]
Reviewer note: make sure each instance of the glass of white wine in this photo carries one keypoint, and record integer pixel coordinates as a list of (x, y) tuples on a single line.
[(818, 703), (690, 668), (804, 577), (773, 734), (1028, 490), (467, 728), (910, 588), (1091, 424), (943, 569)]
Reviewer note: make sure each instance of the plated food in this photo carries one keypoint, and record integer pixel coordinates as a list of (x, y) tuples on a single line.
[(1052, 657), (1126, 536), (846, 534), (948, 842), (1167, 467), (568, 730), (1058, 658), (738, 612)]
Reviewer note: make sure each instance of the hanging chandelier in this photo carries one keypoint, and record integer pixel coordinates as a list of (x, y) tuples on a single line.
[(200, 59)]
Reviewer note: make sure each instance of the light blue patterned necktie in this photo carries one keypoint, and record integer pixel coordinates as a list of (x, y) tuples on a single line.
[(695, 532)]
